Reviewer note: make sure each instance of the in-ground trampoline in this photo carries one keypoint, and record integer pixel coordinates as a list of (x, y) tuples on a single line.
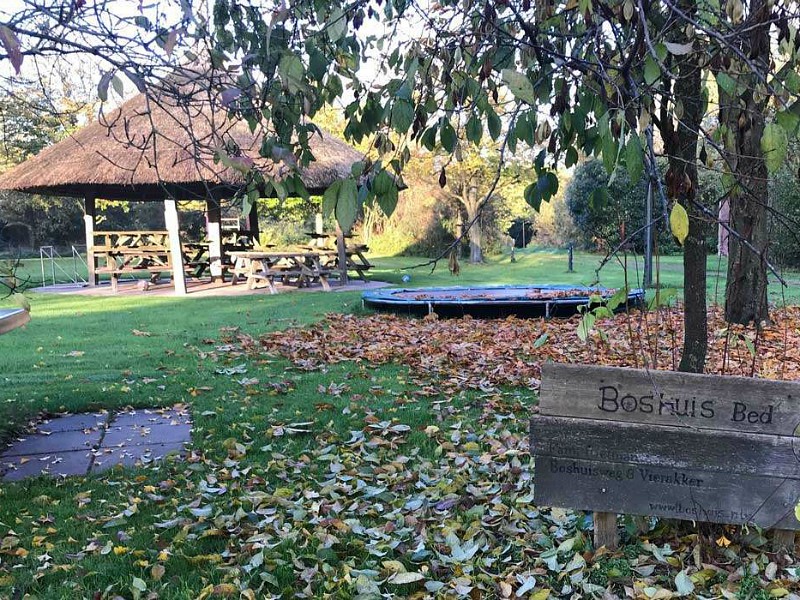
[(494, 301)]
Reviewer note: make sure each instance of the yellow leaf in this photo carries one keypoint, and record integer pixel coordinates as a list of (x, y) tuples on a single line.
[(225, 589), (394, 566), (120, 550), (679, 223), (723, 542), (541, 594)]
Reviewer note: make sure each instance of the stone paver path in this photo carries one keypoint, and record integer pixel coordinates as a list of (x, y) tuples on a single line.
[(87, 443)]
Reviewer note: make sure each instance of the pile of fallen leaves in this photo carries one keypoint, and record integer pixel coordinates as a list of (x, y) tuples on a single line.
[(466, 353)]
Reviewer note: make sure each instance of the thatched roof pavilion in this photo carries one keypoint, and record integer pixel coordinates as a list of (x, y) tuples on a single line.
[(161, 147), (148, 148)]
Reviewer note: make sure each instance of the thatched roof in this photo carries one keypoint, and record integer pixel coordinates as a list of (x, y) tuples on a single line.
[(163, 144)]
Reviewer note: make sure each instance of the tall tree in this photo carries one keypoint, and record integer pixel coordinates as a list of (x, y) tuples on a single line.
[(744, 101)]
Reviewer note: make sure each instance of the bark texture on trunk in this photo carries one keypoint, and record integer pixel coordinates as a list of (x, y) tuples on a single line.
[(744, 119), (475, 233), (682, 185)]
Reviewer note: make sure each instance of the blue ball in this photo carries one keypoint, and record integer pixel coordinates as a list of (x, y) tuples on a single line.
[(406, 278)]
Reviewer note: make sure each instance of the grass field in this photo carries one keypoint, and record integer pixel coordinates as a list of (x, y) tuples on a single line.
[(112, 534)]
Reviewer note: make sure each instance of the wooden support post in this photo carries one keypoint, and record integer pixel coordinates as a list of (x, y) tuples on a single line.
[(175, 251), (88, 228), (251, 221), (341, 249), (783, 540), (605, 530), (214, 236)]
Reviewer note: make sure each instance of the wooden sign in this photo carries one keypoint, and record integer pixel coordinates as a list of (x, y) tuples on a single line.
[(676, 445)]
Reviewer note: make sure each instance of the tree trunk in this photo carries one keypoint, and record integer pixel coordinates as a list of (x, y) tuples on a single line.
[(744, 118), (475, 233), (682, 185)]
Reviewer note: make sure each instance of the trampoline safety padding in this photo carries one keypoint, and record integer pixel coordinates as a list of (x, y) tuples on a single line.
[(494, 301)]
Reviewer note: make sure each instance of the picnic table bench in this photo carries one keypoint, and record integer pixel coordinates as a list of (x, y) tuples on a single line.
[(354, 254), (290, 268), (121, 252)]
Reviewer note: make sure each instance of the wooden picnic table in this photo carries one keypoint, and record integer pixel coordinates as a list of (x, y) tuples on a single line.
[(301, 268), (12, 318), (356, 261)]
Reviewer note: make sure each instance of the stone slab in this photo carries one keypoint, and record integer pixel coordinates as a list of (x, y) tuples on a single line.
[(149, 418), (146, 434), (62, 464), (61, 441), (73, 423), (131, 456)]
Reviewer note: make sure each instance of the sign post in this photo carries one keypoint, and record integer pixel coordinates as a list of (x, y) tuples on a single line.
[(666, 444)]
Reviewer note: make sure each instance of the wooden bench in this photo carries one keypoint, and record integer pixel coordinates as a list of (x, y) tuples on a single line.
[(300, 268), (667, 444), (131, 252)]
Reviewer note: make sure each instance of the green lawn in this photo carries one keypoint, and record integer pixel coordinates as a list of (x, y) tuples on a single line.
[(532, 266), (287, 483), (550, 266)]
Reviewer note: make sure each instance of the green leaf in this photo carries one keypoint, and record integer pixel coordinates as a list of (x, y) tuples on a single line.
[(474, 130), (540, 341), (448, 136), (726, 83), (292, 73), (652, 71), (385, 190), (774, 144), (519, 85), (402, 115), (789, 121), (571, 157), (493, 123), (118, 86), (599, 198), (610, 152), (102, 86), (329, 198), (525, 129), (679, 222), (585, 326), (347, 204), (634, 160), (139, 584), (619, 298), (428, 139), (317, 64), (542, 190), (337, 25)]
